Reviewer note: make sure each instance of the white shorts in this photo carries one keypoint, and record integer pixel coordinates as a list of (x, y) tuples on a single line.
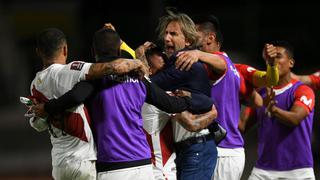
[(77, 170), (229, 167), (139, 172), (297, 174)]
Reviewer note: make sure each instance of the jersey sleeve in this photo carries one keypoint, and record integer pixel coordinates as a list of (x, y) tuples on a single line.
[(315, 82), (66, 76), (259, 78), (245, 88), (304, 96), (246, 71)]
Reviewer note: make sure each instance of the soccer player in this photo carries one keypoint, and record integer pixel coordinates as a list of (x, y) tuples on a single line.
[(73, 150), (285, 125), (122, 148), (228, 88)]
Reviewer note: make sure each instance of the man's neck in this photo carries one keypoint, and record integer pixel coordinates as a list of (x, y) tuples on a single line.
[(212, 49), (54, 60), (285, 79)]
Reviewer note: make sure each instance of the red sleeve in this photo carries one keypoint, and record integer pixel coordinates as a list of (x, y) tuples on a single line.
[(246, 71), (245, 88), (212, 75), (315, 82), (304, 96)]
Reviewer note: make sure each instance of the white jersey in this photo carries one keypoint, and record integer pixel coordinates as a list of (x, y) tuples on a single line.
[(159, 132), (75, 142)]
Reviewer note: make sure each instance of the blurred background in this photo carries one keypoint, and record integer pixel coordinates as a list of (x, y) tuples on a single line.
[(246, 26)]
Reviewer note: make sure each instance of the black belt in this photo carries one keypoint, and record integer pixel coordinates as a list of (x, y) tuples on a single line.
[(193, 140), (101, 167)]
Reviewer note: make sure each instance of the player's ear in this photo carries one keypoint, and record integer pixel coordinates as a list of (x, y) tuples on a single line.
[(292, 61), (65, 50), (211, 38)]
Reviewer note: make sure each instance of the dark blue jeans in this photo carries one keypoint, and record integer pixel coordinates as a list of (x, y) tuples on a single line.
[(197, 161)]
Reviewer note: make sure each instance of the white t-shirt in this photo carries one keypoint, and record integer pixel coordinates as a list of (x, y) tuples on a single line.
[(77, 143)]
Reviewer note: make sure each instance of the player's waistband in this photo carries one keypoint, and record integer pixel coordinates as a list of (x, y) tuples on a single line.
[(192, 140), (102, 167)]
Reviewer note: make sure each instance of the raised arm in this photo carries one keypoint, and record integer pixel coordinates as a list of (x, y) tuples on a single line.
[(187, 58), (258, 78), (124, 46), (119, 66), (271, 78)]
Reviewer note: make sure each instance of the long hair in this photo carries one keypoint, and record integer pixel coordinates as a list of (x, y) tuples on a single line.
[(188, 27)]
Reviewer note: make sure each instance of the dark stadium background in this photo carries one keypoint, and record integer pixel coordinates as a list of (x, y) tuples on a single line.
[(246, 26)]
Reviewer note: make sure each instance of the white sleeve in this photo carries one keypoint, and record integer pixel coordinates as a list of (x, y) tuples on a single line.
[(38, 124), (66, 76)]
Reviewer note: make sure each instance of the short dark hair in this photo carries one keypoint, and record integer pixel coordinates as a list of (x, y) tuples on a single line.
[(209, 23), (106, 42), (49, 41), (286, 45), (156, 51)]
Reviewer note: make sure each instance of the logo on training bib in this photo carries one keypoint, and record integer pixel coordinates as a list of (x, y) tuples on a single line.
[(123, 79), (77, 66)]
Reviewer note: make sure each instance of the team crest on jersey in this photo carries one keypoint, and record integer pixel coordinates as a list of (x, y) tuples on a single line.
[(77, 66)]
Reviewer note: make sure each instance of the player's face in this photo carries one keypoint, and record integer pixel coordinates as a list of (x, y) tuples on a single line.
[(174, 38), (207, 41), (202, 38), (156, 63), (284, 61)]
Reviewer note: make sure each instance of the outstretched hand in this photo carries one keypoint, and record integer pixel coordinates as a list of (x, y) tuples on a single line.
[(185, 59)]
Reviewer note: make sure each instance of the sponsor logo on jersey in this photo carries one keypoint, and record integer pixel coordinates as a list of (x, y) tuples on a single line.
[(77, 66), (123, 79), (306, 101)]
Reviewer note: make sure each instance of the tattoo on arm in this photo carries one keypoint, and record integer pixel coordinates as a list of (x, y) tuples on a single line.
[(196, 123), (119, 67)]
